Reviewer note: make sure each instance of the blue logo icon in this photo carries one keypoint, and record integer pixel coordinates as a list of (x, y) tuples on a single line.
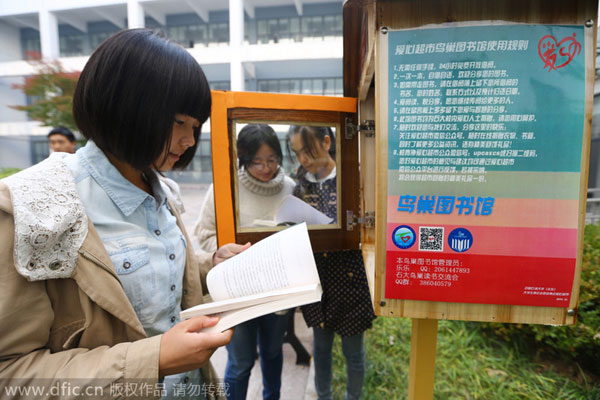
[(404, 236), (460, 240)]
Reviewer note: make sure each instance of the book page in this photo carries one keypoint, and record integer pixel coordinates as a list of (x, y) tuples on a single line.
[(292, 209), (246, 302), (284, 259), (232, 318)]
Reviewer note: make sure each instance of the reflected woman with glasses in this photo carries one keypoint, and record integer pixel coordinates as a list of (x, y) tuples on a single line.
[(262, 185)]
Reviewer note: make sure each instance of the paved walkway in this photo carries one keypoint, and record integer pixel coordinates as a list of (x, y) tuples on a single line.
[(297, 380)]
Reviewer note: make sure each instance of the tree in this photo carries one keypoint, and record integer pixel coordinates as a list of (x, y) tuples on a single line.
[(52, 89)]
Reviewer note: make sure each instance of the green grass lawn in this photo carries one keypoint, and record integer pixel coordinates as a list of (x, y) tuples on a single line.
[(4, 172), (469, 365)]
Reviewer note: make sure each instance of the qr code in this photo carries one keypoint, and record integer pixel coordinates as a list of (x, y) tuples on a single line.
[(431, 238)]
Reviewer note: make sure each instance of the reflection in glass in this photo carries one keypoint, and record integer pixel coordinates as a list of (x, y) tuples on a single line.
[(262, 183), (266, 195), (314, 148)]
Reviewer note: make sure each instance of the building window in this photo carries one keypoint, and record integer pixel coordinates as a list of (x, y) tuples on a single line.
[(220, 85), (199, 35), (312, 26), (39, 149), (71, 41), (218, 33), (318, 86), (189, 36), (31, 48), (203, 156), (98, 37), (72, 45), (332, 25), (30, 43), (275, 30)]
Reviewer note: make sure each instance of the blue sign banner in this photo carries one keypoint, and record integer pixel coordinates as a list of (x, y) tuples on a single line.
[(486, 98)]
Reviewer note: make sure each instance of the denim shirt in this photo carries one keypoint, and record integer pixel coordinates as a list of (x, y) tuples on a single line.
[(141, 236)]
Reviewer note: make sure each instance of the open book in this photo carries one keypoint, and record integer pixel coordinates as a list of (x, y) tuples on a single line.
[(292, 210), (275, 274)]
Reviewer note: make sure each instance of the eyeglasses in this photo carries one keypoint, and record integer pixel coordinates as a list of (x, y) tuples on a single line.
[(259, 165)]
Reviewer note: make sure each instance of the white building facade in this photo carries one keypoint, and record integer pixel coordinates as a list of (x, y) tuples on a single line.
[(288, 46)]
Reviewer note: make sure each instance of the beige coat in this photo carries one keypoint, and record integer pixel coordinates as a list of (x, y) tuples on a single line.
[(83, 327)]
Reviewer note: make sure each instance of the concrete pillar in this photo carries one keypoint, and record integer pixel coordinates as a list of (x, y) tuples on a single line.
[(135, 14), (236, 38), (49, 34)]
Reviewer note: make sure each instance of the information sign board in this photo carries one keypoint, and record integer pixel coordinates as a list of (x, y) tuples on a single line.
[(485, 132)]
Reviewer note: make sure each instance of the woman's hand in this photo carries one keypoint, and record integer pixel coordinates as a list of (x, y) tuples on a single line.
[(183, 348), (227, 251)]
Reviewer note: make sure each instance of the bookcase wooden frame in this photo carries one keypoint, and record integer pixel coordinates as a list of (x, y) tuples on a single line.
[(229, 107)]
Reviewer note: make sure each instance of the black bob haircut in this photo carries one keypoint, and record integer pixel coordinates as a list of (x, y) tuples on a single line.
[(249, 140), (61, 130), (129, 92)]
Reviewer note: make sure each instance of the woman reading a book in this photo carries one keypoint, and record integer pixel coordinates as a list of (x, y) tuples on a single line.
[(95, 264), (262, 185), (345, 306)]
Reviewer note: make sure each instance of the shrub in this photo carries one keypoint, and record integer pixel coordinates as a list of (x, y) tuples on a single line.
[(51, 89), (579, 342)]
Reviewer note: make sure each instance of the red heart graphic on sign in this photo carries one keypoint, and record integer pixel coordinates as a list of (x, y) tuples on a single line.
[(556, 54), (405, 238)]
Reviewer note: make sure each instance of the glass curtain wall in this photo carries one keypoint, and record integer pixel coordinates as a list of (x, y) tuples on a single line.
[(75, 43), (297, 29), (200, 34), (269, 30), (318, 86)]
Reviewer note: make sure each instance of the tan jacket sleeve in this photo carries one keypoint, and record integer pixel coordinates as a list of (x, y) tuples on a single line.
[(205, 230), (26, 321)]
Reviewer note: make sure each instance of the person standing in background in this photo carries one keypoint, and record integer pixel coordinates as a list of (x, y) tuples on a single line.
[(61, 139), (345, 307), (262, 185)]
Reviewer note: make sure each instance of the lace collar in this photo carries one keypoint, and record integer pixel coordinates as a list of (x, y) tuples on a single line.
[(50, 220), (311, 178)]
